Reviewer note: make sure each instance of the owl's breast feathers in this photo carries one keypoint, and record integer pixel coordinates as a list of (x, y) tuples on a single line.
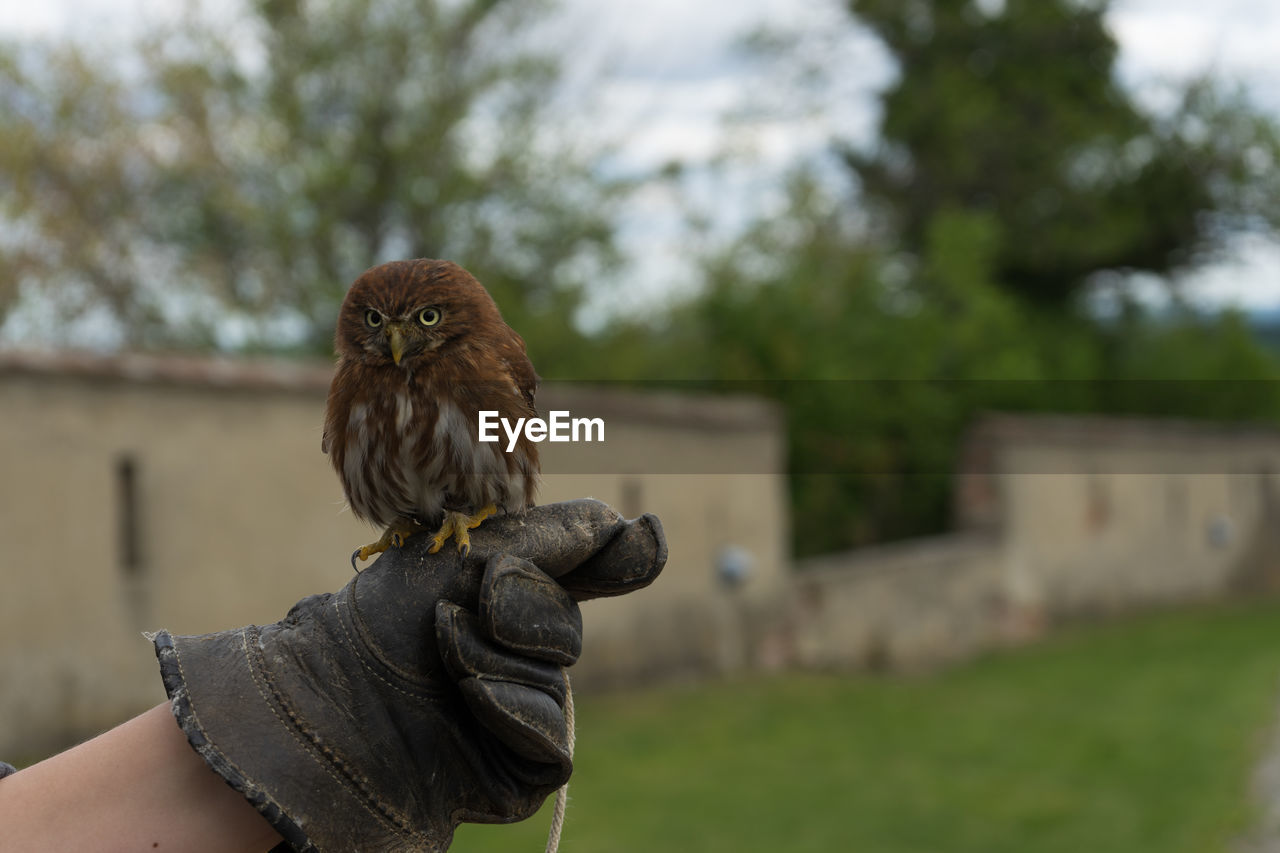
[(406, 444)]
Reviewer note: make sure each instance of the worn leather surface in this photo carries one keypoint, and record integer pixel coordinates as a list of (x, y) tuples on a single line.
[(427, 691)]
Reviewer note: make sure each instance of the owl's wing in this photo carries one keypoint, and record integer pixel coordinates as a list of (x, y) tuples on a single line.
[(341, 390), (520, 368), (526, 379)]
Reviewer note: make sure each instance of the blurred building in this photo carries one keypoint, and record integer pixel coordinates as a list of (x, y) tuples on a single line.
[(139, 493), (1058, 518)]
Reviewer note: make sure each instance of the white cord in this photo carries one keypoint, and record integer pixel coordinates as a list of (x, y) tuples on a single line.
[(562, 796)]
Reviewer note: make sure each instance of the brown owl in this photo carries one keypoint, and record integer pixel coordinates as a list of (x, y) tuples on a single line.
[(422, 349)]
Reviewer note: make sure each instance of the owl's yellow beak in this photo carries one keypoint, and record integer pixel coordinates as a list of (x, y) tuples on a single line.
[(396, 338)]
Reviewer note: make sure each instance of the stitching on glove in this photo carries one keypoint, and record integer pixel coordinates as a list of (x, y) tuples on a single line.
[(180, 698), (366, 643), (344, 776), (195, 718), (497, 627)]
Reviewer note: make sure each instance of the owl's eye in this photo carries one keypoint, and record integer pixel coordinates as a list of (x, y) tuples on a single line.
[(372, 318), (429, 316)]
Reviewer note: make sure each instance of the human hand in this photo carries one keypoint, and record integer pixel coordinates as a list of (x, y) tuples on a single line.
[(426, 692)]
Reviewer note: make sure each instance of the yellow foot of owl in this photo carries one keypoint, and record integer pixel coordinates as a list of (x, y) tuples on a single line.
[(456, 524), (394, 537)]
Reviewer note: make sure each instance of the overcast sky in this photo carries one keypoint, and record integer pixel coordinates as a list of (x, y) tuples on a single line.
[(673, 74)]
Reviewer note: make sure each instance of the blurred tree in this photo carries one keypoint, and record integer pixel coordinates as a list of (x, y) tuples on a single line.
[(878, 364), (1013, 110), (1013, 178), (230, 179), (1187, 364), (882, 360)]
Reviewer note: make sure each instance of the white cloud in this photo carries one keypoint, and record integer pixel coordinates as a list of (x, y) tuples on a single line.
[(90, 18), (1180, 39), (663, 73), (1249, 279)]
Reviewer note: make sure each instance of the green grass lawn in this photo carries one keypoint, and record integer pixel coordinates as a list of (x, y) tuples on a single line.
[(1129, 737)]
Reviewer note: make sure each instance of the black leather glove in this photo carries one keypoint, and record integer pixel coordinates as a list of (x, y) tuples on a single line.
[(426, 692)]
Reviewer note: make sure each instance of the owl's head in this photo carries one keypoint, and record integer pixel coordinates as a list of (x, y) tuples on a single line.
[(404, 312)]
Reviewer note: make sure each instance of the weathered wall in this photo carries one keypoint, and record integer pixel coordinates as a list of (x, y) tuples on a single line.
[(1106, 514), (1058, 518), (901, 606), (238, 515)]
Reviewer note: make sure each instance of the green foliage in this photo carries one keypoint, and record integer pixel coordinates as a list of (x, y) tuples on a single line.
[(882, 359), (1017, 115), (1190, 365), (265, 164), (1129, 738), (1013, 181)]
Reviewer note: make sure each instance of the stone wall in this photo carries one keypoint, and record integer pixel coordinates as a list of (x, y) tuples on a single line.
[(139, 493), (900, 606), (1058, 519)]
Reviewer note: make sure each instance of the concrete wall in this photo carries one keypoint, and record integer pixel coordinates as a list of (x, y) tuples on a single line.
[(1106, 514), (239, 514), (1058, 519), (901, 606)]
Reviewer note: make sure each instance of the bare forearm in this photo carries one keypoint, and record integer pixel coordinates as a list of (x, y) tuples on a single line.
[(139, 786)]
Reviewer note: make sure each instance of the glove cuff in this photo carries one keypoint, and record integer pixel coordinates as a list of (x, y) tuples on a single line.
[(221, 691), (203, 741)]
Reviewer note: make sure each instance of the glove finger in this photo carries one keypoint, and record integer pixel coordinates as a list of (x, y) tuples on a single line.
[(527, 720), (525, 610), (607, 554), (629, 561), (468, 653)]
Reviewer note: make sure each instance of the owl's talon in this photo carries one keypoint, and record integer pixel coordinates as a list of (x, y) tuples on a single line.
[(364, 552), (394, 537), (474, 521), (456, 524), (464, 541), (442, 535)]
